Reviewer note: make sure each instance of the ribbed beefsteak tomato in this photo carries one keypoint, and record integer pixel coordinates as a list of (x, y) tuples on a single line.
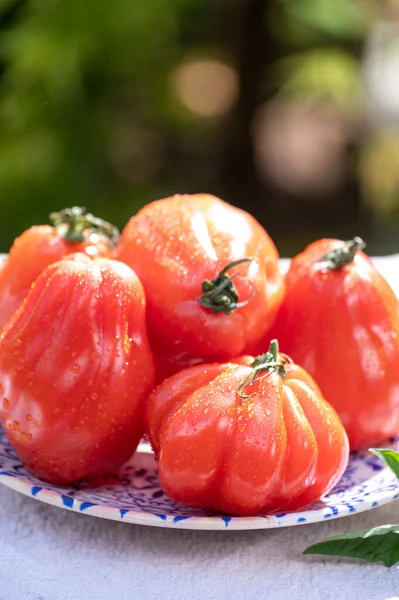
[(245, 439)]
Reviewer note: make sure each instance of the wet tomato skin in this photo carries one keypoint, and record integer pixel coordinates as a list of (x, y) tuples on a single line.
[(176, 244), (40, 246), (278, 446), (75, 370), (342, 326)]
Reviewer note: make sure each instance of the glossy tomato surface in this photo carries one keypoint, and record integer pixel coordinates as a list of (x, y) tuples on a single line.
[(75, 370), (178, 243), (245, 445), (342, 326), (42, 245)]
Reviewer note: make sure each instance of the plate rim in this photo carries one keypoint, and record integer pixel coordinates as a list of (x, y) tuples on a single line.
[(56, 498)]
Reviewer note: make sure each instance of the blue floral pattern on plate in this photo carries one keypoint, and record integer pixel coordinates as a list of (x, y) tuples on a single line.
[(133, 494)]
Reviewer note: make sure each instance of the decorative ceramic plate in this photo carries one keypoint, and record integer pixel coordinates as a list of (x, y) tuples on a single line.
[(133, 494)]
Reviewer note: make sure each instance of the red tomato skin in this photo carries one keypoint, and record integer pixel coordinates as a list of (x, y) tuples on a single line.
[(35, 249), (76, 369), (342, 326), (281, 448), (174, 245)]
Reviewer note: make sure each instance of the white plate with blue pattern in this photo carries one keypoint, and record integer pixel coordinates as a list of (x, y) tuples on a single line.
[(133, 495)]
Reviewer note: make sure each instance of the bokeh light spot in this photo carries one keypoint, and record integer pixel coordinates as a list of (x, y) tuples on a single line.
[(206, 87)]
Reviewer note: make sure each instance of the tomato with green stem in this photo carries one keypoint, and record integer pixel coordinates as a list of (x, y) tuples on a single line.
[(247, 438), (340, 321), (211, 279), (72, 230), (76, 369)]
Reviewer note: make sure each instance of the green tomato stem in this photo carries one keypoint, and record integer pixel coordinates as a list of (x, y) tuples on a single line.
[(267, 363), (76, 225), (338, 258), (220, 294)]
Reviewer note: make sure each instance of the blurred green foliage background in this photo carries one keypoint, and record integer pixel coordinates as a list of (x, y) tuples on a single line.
[(288, 108)]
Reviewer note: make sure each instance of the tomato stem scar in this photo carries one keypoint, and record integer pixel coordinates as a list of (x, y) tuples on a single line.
[(266, 364), (76, 225), (343, 255), (220, 294)]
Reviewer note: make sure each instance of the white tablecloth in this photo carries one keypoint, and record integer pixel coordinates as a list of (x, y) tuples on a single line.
[(47, 553)]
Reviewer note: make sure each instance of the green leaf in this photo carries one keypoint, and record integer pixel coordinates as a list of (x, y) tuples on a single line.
[(390, 458), (380, 544)]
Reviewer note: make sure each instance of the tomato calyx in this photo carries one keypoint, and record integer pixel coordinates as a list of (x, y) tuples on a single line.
[(338, 258), (270, 362), (77, 225), (220, 294)]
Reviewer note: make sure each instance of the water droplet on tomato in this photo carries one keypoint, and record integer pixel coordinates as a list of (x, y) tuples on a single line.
[(75, 368), (94, 396), (29, 436), (73, 354), (29, 417), (95, 355), (6, 403)]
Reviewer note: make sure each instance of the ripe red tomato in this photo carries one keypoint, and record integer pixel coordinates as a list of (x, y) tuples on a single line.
[(243, 439), (73, 230), (203, 305), (75, 370), (340, 321)]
